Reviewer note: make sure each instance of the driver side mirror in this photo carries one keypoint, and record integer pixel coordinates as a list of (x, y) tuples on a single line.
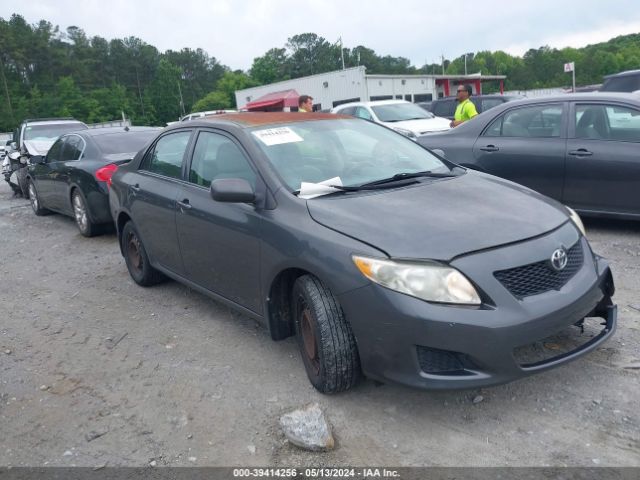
[(36, 159), (13, 145), (232, 190)]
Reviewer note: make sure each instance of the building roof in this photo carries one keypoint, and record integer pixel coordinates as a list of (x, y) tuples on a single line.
[(284, 98)]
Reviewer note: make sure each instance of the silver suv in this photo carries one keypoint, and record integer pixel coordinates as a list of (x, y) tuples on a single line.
[(35, 137)]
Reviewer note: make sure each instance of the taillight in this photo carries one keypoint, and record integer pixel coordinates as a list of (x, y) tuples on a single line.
[(105, 173)]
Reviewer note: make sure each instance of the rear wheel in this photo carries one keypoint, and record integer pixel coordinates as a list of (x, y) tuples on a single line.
[(35, 200), (325, 339), (135, 256), (81, 215)]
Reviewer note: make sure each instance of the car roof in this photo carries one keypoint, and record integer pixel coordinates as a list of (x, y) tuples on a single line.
[(563, 97), (53, 121), (255, 119), (96, 132), (373, 103), (482, 95), (623, 74)]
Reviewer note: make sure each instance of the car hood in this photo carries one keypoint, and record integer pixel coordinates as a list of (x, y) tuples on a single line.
[(38, 147), (425, 125), (440, 219)]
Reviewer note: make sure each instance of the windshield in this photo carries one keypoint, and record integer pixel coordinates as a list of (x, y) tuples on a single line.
[(356, 152), (51, 132), (398, 112), (124, 142)]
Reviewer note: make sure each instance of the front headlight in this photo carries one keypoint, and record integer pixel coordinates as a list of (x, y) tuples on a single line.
[(407, 133), (575, 218), (428, 281)]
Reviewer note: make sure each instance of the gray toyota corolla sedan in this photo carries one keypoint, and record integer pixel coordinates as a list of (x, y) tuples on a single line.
[(382, 258)]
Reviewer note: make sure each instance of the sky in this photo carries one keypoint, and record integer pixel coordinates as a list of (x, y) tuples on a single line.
[(237, 31)]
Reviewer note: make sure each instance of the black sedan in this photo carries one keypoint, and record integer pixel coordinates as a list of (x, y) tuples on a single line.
[(581, 149), (70, 181), (381, 257)]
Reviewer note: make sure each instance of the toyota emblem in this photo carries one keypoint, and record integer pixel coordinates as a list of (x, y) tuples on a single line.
[(559, 259)]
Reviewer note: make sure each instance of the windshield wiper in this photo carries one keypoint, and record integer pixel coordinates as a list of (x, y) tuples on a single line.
[(404, 176)]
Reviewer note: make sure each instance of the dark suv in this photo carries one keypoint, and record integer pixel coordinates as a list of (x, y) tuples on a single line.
[(628, 81), (446, 107)]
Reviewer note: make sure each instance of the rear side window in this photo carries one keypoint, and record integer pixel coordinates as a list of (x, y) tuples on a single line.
[(362, 112), (488, 103), (168, 154), (73, 148), (627, 83), (607, 122), (54, 152)]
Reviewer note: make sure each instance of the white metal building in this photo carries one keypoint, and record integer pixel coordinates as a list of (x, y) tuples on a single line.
[(353, 84)]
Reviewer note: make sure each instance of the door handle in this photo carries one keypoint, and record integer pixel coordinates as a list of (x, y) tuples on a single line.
[(489, 148), (581, 152), (135, 188), (185, 204)]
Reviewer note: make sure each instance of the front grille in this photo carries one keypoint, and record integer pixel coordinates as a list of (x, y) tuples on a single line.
[(540, 277)]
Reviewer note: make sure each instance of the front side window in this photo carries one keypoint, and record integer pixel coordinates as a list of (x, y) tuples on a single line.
[(216, 156), (168, 154), (536, 121), (355, 151)]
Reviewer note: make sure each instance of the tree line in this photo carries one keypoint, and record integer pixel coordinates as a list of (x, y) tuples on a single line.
[(47, 72)]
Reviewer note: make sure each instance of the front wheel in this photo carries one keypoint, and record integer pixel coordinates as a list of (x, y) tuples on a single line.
[(325, 339), (135, 256)]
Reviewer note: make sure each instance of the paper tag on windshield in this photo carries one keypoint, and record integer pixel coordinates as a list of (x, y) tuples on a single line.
[(277, 136)]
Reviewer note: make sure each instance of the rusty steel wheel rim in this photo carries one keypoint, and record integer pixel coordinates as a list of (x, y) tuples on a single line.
[(133, 252), (309, 339)]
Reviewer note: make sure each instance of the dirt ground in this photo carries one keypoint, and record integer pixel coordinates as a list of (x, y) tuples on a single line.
[(95, 370)]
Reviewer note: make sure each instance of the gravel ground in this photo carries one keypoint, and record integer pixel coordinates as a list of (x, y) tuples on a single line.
[(95, 370)]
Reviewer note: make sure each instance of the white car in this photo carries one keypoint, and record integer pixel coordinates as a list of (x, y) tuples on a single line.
[(195, 115), (404, 117)]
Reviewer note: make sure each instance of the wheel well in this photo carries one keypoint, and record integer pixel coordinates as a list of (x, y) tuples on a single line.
[(279, 303), (123, 218)]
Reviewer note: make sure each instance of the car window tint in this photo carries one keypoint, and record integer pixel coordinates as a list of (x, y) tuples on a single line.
[(54, 152), (348, 111), (216, 156), (608, 122), (536, 121), (362, 112), (445, 108), (72, 148), (168, 153), (488, 103)]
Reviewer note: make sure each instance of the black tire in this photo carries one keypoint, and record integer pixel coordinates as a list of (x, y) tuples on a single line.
[(81, 215), (36, 205), (135, 256), (21, 175), (326, 341)]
